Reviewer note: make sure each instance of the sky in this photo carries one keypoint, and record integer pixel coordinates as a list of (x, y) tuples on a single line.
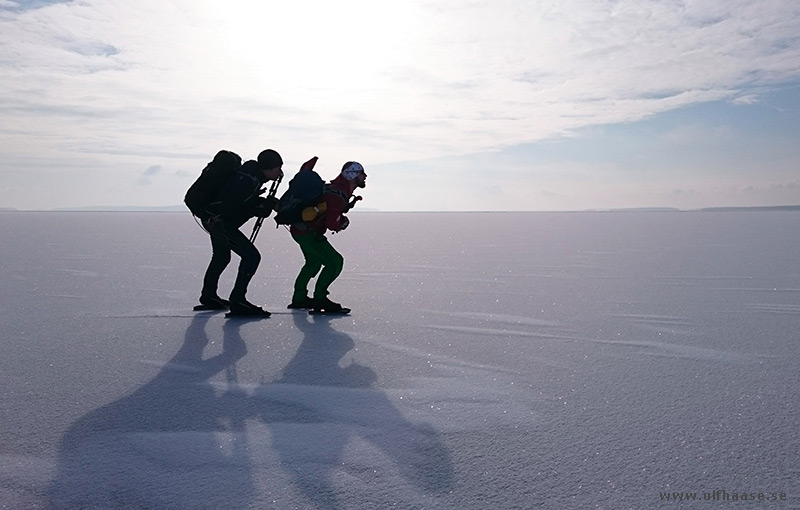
[(450, 105)]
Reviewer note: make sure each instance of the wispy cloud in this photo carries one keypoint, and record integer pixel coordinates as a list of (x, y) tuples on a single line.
[(413, 80), (146, 178), (24, 5)]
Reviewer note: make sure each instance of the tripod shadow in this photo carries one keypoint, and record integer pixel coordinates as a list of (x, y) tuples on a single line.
[(158, 447), (340, 425)]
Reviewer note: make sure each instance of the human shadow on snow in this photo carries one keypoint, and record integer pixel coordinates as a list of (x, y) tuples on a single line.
[(157, 447), (346, 422), (161, 447)]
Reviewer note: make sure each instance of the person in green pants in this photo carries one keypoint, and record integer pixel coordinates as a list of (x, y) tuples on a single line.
[(318, 252)]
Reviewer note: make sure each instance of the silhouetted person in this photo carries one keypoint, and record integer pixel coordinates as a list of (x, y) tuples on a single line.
[(238, 201), (317, 251)]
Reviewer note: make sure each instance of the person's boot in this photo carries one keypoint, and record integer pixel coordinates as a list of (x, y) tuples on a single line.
[(240, 288), (325, 305), (213, 302), (303, 303), (239, 305), (244, 308)]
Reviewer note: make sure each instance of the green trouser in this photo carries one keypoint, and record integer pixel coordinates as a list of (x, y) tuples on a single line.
[(319, 254)]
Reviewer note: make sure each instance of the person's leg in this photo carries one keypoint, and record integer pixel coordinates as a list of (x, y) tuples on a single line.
[(220, 258), (310, 268), (251, 258), (332, 264)]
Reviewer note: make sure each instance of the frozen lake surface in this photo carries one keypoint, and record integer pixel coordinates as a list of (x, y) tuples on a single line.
[(492, 361)]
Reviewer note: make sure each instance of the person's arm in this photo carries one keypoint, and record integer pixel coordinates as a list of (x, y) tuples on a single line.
[(334, 212)]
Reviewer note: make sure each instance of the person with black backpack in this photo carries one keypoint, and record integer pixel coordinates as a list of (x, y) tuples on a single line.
[(309, 234), (231, 206)]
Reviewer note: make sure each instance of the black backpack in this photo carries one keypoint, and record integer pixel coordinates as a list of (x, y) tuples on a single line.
[(305, 189), (210, 182)]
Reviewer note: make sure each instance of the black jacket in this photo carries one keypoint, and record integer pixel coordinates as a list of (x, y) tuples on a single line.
[(239, 199)]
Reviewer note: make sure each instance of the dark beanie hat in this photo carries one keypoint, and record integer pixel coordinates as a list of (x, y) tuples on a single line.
[(269, 159)]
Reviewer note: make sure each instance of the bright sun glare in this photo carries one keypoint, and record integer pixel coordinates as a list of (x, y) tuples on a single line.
[(333, 48)]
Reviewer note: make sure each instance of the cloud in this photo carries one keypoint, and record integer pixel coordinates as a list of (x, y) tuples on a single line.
[(22, 5), (153, 170), (746, 99), (146, 178), (448, 77), (381, 83), (93, 49)]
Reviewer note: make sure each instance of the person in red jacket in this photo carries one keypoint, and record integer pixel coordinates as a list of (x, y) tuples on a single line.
[(317, 251)]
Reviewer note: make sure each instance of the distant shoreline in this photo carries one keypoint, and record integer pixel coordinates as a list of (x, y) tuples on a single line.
[(182, 209)]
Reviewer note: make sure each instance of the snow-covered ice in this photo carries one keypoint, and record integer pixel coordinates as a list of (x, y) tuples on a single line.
[(492, 361)]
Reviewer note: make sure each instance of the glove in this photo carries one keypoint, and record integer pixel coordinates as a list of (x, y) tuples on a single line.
[(345, 223), (264, 208)]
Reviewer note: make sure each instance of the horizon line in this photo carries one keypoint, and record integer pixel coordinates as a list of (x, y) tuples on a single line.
[(182, 209)]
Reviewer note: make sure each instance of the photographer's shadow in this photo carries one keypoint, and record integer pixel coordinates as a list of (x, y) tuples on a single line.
[(158, 447), (330, 406)]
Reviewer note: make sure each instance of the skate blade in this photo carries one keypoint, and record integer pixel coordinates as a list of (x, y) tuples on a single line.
[(231, 315), (343, 311), (200, 308)]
